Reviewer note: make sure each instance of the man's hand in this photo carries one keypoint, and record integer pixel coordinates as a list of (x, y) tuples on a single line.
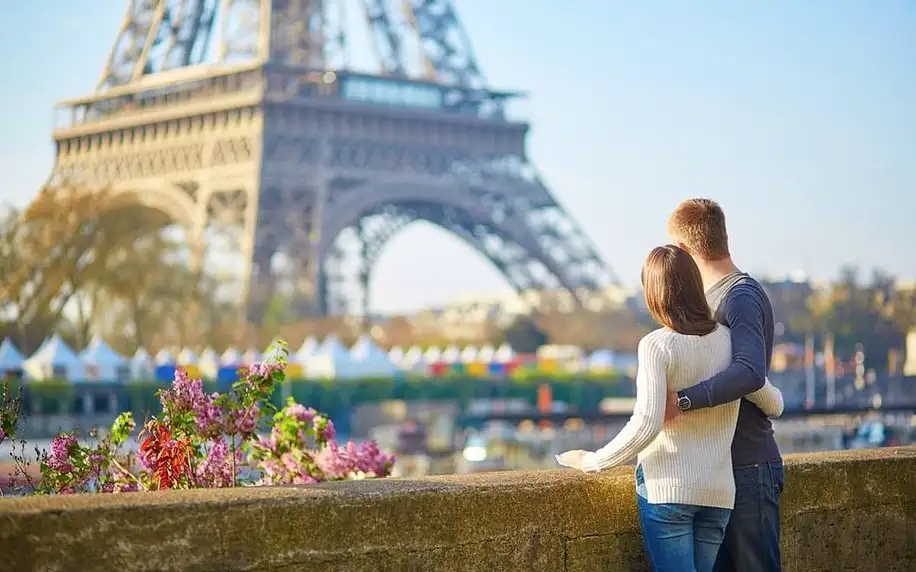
[(572, 459), (671, 408)]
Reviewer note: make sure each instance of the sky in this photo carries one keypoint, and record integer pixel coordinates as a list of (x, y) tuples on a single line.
[(798, 117)]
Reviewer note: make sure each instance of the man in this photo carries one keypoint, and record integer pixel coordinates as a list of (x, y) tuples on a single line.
[(739, 302)]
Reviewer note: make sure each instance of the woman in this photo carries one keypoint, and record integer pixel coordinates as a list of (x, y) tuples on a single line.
[(684, 483)]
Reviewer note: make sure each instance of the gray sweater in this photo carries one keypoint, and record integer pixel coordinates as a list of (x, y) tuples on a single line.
[(740, 303)]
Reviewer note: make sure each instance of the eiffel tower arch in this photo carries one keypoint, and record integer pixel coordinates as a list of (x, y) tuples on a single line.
[(242, 119)]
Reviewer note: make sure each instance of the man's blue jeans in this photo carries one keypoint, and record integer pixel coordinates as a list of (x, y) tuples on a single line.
[(752, 537), (680, 537)]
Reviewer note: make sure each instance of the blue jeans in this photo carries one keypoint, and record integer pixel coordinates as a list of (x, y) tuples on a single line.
[(752, 537), (680, 537)]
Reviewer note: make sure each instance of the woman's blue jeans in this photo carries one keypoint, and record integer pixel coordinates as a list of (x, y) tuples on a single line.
[(680, 537)]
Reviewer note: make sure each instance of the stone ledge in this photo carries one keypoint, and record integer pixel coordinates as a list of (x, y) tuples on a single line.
[(852, 510)]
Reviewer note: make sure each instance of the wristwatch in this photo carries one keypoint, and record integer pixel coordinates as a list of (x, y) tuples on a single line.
[(683, 403)]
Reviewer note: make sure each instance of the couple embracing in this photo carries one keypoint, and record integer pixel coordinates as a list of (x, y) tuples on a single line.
[(709, 473)]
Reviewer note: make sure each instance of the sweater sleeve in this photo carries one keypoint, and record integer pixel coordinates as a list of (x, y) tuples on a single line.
[(648, 414), (768, 398), (747, 372)]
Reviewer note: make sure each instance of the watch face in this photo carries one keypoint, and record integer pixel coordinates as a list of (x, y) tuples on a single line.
[(683, 403)]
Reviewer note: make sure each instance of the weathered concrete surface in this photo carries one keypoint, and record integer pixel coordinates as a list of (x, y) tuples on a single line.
[(841, 511)]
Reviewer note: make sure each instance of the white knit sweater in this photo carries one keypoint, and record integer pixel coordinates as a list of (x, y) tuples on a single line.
[(687, 460)]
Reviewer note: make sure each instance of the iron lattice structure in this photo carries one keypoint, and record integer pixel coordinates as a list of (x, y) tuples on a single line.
[(243, 119)]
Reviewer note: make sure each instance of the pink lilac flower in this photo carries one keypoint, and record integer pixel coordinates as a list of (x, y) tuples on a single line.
[(118, 487), (2, 434), (95, 464), (216, 470), (187, 395), (300, 412), (339, 462), (122, 487), (184, 392), (208, 415), (270, 468), (324, 428), (264, 369), (59, 458), (244, 422)]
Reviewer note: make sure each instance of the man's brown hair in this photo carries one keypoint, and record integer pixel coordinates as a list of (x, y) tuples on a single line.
[(699, 224), (674, 291)]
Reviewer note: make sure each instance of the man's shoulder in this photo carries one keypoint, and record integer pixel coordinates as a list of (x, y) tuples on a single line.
[(744, 288), (746, 299)]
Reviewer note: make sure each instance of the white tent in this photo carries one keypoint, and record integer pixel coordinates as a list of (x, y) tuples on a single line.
[(308, 349), (369, 360), (469, 354), (41, 347), (600, 361), (54, 360), (101, 363), (432, 354), (451, 354), (209, 363), (142, 366), (487, 353), (187, 357), (504, 354), (414, 361), (230, 357), (309, 346), (164, 357), (332, 360), (396, 354), (252, 356), (11, 360)]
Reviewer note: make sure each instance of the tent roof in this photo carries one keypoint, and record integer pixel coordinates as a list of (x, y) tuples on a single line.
[(365, 348), (56, 353), (100, 353), (308, 348), (252, 355), (504, 353), (209, 355), (164, 357), (331, 347), (187, 357), (231, 356), (370, 359), (10, 357)]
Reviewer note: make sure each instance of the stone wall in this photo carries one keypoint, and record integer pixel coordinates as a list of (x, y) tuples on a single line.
[(841, 511)]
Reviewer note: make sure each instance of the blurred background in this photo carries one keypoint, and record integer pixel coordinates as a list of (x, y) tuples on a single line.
[(452, 257)]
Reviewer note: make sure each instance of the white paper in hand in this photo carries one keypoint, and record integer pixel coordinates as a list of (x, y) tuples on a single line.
[(571, 459)]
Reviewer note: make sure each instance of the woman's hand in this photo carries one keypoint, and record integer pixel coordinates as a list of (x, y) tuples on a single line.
[(572, 459)]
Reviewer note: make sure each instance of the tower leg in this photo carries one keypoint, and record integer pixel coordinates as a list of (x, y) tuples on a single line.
[(363, 278)]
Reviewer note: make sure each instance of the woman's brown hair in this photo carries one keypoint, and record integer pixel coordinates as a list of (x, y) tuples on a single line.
[(674, 291)]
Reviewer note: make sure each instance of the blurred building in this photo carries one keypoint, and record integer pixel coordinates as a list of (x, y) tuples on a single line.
[(469, 316)]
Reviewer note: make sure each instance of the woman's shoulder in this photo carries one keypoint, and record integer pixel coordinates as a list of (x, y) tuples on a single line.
[(663, 336), (657, 339)]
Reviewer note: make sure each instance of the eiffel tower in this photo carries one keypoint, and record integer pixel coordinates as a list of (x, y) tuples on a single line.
[(244, 122)]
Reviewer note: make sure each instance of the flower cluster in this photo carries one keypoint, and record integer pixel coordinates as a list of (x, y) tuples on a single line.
[(210, 440), (71, 467), (354, 461), (300, 449)]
